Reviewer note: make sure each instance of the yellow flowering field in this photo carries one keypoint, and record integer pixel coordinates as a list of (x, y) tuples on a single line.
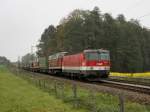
[(146, 74)]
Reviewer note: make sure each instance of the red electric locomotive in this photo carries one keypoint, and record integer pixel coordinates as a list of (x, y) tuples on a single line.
[(89, 63)]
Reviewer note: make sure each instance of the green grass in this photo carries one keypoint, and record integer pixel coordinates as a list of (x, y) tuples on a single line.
[(105, 102), (17, 95), (90, 100)]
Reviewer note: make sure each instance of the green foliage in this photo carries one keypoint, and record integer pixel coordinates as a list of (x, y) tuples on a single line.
[(4, 61), (47, 42), (127, 41)]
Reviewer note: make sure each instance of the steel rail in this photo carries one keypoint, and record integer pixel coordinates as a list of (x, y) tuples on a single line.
[(139, 81), (133, 87)]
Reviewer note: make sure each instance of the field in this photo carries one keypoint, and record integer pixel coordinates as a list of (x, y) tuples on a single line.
[(134, 75), (22, 94)]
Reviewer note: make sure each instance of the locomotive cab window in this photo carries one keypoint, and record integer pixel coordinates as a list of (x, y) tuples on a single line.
[(91, 56), (97, 56), (104, 56)]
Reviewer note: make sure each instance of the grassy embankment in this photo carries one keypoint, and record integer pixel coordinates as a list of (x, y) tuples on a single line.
[(17, 95)]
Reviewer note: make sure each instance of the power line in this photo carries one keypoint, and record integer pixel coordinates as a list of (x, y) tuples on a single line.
[(148, 14), (134, 5)]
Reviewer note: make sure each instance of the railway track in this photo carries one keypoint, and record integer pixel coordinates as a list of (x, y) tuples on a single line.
[(140, 81), (115, 84), (122, 85)]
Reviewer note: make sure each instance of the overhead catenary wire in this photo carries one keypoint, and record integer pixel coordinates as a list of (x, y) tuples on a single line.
[(145, 15), (134, 5)]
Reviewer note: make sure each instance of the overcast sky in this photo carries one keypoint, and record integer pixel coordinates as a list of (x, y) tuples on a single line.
[(23, 21)]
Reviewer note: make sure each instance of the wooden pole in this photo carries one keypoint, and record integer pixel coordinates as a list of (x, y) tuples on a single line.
[(121, 103)]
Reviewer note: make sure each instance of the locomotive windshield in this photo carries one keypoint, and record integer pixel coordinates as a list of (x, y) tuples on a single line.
[(104, 56), (97, 55)]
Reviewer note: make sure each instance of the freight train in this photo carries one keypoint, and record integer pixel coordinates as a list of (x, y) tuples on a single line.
[(88, 63)]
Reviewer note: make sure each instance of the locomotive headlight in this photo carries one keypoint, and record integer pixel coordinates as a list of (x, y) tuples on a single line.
[(99, 64), (83, 64)]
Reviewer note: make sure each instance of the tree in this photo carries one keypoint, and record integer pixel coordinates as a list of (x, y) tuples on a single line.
[(4, 61), (47, 42)]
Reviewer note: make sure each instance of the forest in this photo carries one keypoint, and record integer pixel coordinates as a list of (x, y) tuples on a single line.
[(4, 60), (127, 40)]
